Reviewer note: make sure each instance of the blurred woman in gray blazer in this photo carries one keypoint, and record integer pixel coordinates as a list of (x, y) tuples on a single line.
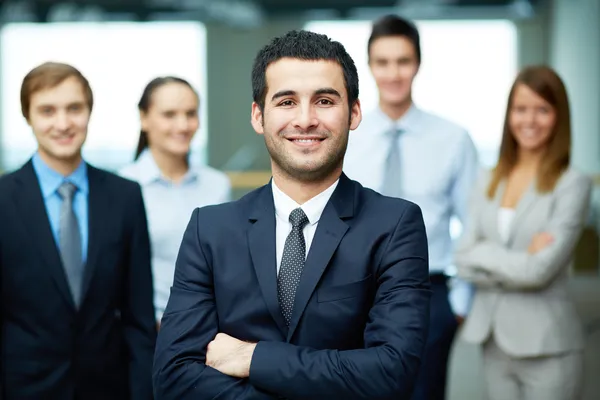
[(526, 217)]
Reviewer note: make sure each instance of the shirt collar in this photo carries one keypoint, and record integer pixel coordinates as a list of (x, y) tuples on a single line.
[(406, 123), (313, 208), (148, 171), (50, 180)]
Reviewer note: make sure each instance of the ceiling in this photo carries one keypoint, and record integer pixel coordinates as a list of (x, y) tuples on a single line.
[(220, 9)]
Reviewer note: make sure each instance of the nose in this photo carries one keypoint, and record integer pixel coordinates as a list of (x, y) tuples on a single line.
[(305, 118), (183, 123), (392, 71), (61, 121), (529, 117)]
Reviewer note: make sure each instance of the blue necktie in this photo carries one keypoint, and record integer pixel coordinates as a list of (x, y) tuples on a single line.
[(392, 183), (70, 241)]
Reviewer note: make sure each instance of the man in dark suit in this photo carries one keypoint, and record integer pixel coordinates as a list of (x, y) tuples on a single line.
[(311, 287), (76, 289)]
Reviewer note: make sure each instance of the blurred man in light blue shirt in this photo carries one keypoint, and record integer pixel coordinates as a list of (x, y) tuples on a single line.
[(403, 151)]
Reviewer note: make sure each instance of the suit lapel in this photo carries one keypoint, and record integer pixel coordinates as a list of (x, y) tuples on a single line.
[(330, 230), (31, 206), (525, 202), (261, 240), (98, 212)]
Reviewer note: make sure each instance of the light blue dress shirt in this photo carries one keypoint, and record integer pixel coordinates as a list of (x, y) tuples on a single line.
[(50, 181), (440, 166), (169, 207)]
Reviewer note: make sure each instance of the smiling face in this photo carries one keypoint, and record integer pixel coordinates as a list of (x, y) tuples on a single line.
[(394, 64), (306, 118), (531, 119), (171, 120), (59, 118)]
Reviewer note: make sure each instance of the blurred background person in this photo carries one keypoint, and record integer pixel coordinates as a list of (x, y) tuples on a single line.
[(171, 186), (403, 151), (76, 317), (526, 217)]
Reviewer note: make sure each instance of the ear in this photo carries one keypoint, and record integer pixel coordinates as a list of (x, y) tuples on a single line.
[(355, 115), (257, 119)]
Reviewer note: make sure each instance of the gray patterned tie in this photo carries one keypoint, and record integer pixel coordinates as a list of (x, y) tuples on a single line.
[(392, 184), (70, 241), (292, 263)]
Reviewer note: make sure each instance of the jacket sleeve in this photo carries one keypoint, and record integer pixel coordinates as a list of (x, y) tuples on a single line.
[(522, 270), (189, 323), (394, 337), (138, 310)]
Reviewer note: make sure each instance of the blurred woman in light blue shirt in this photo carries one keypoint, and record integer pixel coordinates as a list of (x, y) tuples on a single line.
[(172, 188)]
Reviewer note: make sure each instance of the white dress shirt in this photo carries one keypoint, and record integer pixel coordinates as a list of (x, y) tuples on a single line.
[(284, 205), (505, 218), (440, 166), (169, 207)]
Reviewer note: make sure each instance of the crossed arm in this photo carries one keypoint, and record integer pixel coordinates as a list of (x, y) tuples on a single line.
[(489, 264), (384, 369)]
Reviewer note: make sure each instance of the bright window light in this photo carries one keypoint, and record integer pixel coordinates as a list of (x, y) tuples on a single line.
[(119, 59), (465, 76)]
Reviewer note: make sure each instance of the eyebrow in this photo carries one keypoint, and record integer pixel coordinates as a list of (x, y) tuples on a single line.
[(283, 93)]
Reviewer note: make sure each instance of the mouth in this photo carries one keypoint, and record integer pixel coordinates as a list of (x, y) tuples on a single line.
[(65, 139), (182, 137), (306, 141), (393, 86), (529, 133)]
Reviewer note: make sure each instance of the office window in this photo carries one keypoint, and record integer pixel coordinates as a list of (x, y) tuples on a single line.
[(465, 76), (119, 59)]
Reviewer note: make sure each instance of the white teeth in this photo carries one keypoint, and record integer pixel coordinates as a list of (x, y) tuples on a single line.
[(528, 132), (306, 140)]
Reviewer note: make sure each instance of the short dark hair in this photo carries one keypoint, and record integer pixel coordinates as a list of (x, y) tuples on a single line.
[(304, 45), (393, 25), (146, 100)]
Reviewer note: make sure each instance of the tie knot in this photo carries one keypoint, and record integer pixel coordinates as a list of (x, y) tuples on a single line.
[(395, 132), (67, 190), (298, 219)]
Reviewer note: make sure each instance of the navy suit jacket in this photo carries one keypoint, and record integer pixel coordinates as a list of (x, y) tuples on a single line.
[(360, 316), (49, 348)]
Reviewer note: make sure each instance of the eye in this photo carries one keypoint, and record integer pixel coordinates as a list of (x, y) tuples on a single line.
[(325, 102), (286, 103)]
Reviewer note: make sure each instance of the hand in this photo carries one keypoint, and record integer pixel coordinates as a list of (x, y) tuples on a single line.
[(539, 242), (230, 356)]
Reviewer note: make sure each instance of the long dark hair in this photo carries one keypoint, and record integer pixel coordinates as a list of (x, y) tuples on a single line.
[(145, 100)]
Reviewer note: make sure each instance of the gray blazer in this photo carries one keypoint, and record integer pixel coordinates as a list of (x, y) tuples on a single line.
[(522, 298)]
